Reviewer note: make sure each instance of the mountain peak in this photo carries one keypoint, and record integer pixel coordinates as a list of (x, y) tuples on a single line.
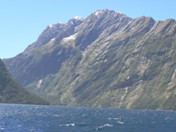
[(170, 20), (145, 18), (75, 20), (99, 13), (78, 18), (50, 25), (53, 26)]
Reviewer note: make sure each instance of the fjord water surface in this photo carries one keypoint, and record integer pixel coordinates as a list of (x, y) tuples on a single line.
[(36, 118)]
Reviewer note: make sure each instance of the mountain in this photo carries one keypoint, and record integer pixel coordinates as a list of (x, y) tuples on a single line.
[(11, 92), (105, 60)]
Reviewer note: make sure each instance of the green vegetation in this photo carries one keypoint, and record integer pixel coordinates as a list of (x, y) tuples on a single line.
[(11, 92)]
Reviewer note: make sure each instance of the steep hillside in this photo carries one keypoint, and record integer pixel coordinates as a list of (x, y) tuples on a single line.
[(105, 60), (11, 92)]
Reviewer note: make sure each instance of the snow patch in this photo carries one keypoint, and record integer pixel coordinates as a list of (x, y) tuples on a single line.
[(105, 60), (98, 13), (173, 78), (59, 52), (128, 77), (39, 83), (130, 22), (53, 39), (123, 96), (174, 75), (70, 38), (77, 18), (50, 26), (60, 23)]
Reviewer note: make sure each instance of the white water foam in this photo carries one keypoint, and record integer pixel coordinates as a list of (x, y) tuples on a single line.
[(67, 125), (105, 125), (120, 122)]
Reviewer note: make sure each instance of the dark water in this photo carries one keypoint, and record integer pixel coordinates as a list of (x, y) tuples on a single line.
[(28, 118)]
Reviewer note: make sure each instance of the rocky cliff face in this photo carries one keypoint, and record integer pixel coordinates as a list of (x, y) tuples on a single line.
[(11, 92), (105, 60)]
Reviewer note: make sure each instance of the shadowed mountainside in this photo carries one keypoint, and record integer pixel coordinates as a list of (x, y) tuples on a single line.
[(11, 92)]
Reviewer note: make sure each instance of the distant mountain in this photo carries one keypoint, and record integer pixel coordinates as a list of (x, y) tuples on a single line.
[(11, 92), (105, 60)]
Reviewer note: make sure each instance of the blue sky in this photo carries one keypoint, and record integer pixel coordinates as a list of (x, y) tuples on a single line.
[(22, 21)]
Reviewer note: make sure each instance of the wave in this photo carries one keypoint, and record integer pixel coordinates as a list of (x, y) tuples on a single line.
[(114, 118), (105, 125), (67, 125), (120, 122)]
